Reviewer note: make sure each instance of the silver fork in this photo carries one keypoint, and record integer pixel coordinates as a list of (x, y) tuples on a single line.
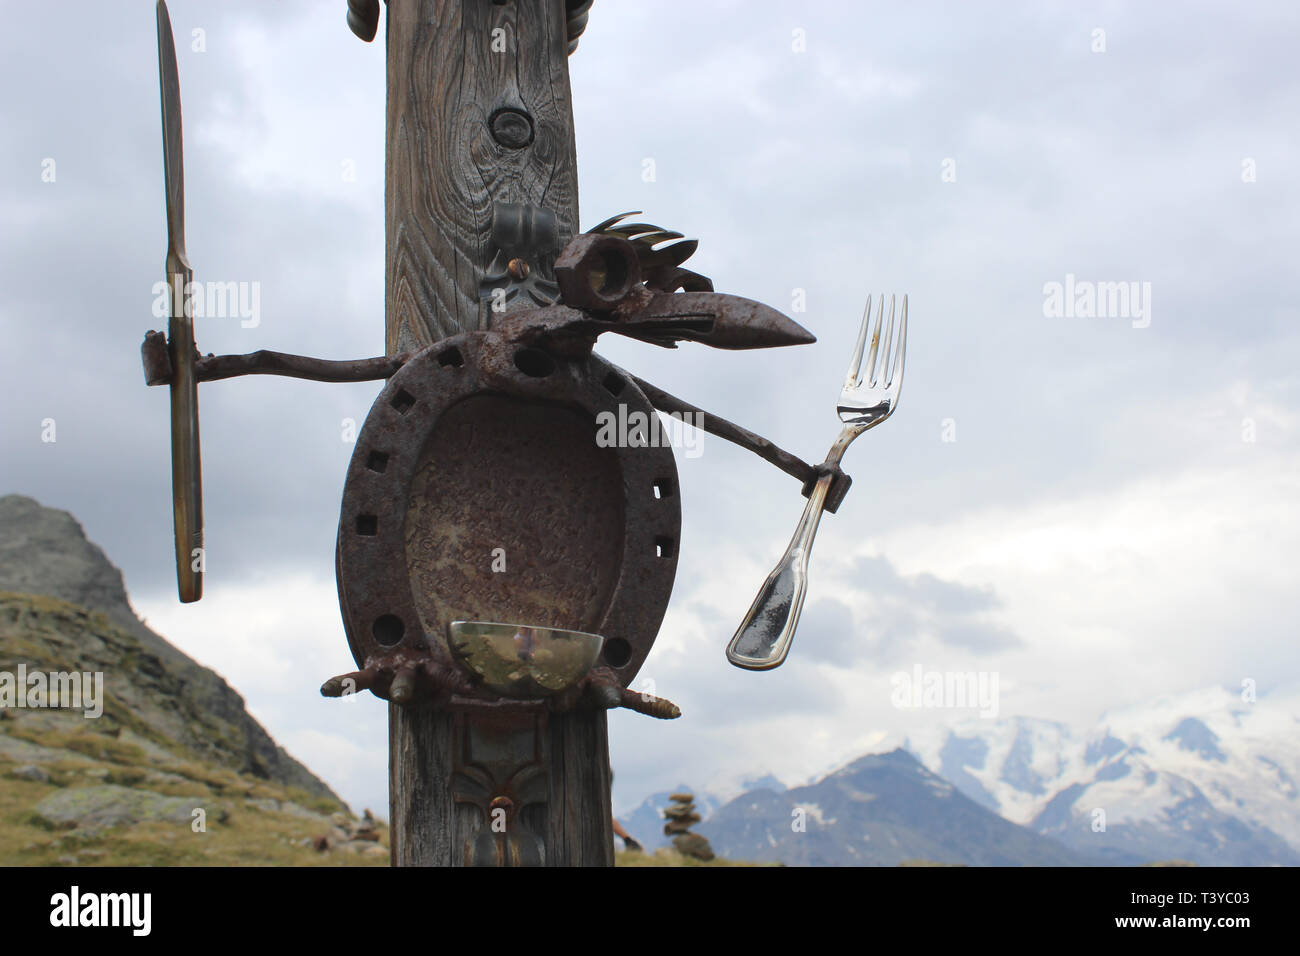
[(869, 396)]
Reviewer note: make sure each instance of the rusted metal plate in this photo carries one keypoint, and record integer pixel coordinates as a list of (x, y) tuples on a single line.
[(477, 491), (531, 532)]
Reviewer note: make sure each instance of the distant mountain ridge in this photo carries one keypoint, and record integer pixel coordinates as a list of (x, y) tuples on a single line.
[(880, 810), (1209, 777)]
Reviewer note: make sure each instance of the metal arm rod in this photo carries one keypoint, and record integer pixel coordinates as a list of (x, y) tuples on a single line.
[(760, 446), (158, 368), (263, 362)]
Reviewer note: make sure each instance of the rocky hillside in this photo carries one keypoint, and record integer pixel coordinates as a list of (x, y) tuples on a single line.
[(45, 552), (163, 765)]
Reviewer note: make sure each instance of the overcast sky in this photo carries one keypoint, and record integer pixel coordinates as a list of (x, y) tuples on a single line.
[(1100, 510)]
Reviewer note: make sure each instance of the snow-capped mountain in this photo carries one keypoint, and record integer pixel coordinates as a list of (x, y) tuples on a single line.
[(879, 810), (1208, 776)]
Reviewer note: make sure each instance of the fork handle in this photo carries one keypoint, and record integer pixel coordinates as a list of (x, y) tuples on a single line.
[(763, 639)]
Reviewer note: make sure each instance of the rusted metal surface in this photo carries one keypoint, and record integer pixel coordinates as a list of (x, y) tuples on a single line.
[(715, 425), (596, 272), (213, 367), (839, 485), (648, 704), (479, 449), (602, 289), (660, 256), (710, 318), (210, 368), (792, 465)]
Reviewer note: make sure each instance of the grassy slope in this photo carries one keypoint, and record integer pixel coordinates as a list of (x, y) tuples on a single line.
[(665, 857), (238, 832), (250, 820)]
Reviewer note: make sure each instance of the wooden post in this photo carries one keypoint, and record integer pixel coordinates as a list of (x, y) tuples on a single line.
[(479, 113)]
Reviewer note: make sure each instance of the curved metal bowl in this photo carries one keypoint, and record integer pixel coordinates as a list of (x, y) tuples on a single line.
[(516, 660)]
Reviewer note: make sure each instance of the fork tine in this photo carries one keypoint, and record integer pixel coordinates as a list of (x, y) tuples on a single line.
[(878, 372), (856, 362), (870, 374), (896, 375), (875, 345)]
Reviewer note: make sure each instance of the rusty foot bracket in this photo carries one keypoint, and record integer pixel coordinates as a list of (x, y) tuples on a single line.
[(658, 707), (792, 465), (406, 678), (602, 689), (401, 677)]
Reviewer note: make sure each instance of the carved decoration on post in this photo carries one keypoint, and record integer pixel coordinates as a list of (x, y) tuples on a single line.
[(500, 768)]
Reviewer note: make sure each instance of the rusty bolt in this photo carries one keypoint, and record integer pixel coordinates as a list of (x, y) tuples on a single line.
[(518, 269)]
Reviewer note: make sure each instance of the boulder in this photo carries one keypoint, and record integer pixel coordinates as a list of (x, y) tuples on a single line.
[(108, 805)]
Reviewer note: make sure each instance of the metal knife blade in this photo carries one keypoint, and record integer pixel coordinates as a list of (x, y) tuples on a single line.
[(187, 488)]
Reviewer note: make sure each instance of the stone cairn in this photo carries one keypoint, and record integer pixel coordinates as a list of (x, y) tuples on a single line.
[(681, 816), (351, 836)]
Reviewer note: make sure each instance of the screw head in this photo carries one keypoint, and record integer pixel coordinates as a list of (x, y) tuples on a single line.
[(518, 269)]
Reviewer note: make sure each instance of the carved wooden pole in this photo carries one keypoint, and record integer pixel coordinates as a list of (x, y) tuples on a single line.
[(479, 115)]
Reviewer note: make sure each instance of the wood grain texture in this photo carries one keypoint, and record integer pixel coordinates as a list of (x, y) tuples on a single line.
[(444, 171), (424, 821), (581, 831)]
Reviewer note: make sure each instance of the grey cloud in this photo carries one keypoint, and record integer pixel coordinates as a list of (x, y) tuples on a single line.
[(907, 608)]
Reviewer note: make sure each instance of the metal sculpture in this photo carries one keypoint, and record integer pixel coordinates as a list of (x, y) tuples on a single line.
[(485, 442)]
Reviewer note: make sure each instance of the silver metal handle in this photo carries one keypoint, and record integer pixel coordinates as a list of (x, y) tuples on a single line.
[(763, 639)]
